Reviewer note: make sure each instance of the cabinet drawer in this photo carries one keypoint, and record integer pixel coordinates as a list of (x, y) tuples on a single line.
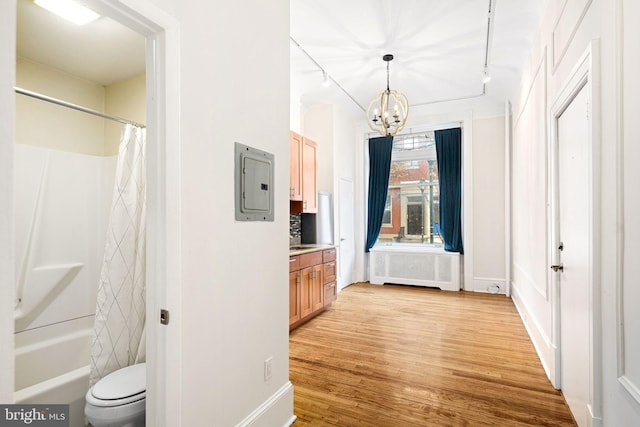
[(329, 255), (294, 263), (313, 258), (329, 271), (330, 293)]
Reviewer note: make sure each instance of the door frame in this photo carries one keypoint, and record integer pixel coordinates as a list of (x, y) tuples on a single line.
[(343, 282), (585, 75), (163, 201), (162, 34)]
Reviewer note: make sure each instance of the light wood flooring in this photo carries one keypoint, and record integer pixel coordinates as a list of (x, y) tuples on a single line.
[(386, 356)]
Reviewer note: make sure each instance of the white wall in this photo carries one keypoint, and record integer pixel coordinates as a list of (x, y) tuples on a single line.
[(233, 289), (566, 32), (318, 125), (65, 129), (627, 343), (7, 138), (333, 129), (124, 99), (234, 61), (52, 126), (484, 189), (488, 204)]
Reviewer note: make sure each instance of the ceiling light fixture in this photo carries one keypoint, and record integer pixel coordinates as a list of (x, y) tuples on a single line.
[(69, 10), (387, 113)]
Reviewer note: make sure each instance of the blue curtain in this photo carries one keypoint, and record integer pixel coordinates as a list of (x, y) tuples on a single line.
[(449, 155), (379, 167)]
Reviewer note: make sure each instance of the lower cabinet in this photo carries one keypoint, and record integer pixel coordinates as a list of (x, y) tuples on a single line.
[(312, 285), (312, 295), (295, 289)]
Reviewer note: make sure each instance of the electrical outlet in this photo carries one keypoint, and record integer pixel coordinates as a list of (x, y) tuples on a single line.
[(494, 288), (267, 368)]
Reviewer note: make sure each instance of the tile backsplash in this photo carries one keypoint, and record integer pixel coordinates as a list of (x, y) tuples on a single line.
[(295, 229)]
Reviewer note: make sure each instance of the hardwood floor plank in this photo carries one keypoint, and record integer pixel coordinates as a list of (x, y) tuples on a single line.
[(406, 356)]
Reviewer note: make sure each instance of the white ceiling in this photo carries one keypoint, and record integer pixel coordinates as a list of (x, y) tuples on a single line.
[(439, 48)]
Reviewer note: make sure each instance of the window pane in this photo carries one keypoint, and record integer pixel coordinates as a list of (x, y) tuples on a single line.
[(386, 217), (413, 172), (412, 213), (422, 141)]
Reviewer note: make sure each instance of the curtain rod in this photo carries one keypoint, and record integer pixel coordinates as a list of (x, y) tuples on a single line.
[(76, 107)]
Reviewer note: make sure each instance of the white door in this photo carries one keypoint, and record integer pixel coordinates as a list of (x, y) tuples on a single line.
[(347, 249), (574, 233)]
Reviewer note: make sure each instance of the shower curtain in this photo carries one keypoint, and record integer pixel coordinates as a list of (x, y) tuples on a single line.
[(119, 330)]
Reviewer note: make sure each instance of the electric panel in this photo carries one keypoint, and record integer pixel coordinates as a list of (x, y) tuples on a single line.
[(253, 184)]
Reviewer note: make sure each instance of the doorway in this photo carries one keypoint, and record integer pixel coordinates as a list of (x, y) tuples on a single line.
[(574, 241), (162, 87)]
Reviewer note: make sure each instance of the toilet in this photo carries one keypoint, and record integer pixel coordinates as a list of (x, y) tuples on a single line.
[(118, 400)]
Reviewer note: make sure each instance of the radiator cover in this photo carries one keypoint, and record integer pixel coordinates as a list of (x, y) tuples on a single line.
[(417, 266)]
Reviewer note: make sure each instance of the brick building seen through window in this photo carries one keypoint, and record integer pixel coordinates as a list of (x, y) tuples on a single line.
[(412, 211)]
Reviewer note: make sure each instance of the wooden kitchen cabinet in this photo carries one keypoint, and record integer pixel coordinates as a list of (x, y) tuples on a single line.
[(311, 285), (295, 166), (295, 289), (312, 291), (329, 273), (303, 174)]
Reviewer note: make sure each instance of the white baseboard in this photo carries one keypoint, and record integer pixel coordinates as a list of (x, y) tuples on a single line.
[(592, 419), (275, 411), (544, 348)]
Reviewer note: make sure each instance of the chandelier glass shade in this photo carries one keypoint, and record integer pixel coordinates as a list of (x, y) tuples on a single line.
[(387, 113)]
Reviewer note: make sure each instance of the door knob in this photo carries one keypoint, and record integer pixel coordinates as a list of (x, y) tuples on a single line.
[(558, 267)]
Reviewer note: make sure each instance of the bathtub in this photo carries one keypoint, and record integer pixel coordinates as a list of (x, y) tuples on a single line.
[(54, 369)]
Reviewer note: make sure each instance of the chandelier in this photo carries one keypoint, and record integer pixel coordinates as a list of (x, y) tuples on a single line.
[(387, 113)]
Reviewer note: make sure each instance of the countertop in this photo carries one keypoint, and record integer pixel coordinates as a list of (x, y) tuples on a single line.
[(304, 249)]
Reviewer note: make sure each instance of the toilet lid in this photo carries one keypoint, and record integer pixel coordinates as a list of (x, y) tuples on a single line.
[(122, 386)]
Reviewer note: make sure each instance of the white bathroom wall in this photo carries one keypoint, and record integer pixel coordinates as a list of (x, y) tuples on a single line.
[(63, 191), (61, 213), (126, 99), (48, 125)]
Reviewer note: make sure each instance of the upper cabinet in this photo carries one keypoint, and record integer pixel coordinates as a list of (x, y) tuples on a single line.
[(295, 167), (303, 192)]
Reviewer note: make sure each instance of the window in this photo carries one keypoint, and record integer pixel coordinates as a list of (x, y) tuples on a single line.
[(386, 217), (412, 211)]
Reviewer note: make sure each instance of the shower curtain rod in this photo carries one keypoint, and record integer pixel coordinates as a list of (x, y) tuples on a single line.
[(75, 107)]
